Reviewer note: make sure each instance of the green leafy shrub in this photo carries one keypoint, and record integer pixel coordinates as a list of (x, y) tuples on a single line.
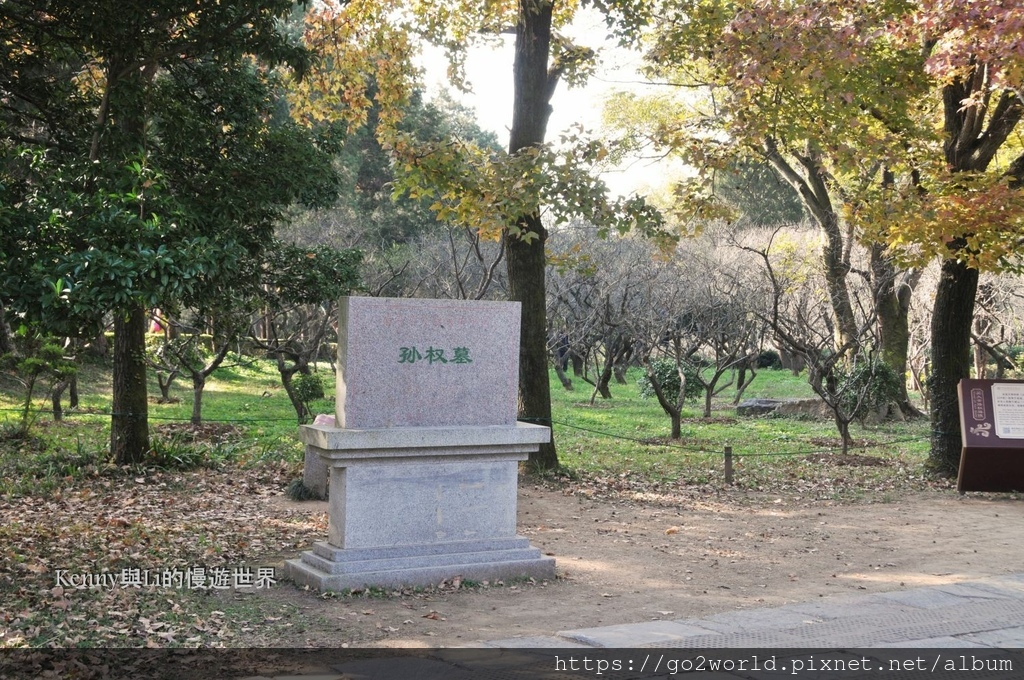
[(668, 377), (868, 386), (308, 387), (298, 491), (181, 453), (37, 357), (769, 358)]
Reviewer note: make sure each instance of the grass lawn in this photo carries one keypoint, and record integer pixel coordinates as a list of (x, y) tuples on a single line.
[(206, 497), (627, 437), (252, 422)]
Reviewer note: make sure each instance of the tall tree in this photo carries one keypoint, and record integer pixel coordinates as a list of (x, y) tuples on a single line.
[(505, 196), (977, 210), (776, 93), (151, 172), (867, 85), (534, 84)]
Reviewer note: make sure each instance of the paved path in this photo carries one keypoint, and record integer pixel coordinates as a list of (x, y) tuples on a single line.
[(885, 635), (974, 614)]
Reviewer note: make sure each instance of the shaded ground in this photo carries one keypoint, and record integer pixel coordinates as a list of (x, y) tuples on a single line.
[(631, 561), (627, 551)]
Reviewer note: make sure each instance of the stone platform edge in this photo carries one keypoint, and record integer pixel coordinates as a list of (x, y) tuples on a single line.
[(498, 565), (330, 438)]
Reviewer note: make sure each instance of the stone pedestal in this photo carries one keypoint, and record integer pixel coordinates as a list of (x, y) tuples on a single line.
[(423, 453), (417, 505)]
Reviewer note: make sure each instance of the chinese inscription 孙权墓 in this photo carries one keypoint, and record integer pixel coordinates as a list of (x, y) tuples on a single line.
[(433, 355)]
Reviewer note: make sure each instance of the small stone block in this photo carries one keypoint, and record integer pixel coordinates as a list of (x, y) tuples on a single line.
[(315, 473)]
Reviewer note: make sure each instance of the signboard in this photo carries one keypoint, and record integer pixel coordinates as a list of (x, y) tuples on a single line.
[(992, 435)]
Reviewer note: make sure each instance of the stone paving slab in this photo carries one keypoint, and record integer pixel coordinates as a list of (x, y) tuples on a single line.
[(979, 616), (634, 634), (979, 591), (925, 598), (980, 613), (535, 642), (942, 642), (898, 625), (749, 620), (829, 608), (1004, 638), (748, 640)]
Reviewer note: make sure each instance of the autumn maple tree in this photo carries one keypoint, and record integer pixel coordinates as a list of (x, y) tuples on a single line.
[(972, 213), (893, 122), (768, 85), (502, 196)]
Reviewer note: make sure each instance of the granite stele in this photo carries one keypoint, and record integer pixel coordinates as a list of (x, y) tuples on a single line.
[(424, 454)]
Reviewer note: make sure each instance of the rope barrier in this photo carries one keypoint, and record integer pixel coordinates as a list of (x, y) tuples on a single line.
[(686, 450), (150, 416), (700, 451)]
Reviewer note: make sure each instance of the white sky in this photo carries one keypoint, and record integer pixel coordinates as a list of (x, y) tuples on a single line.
[(490, 73)]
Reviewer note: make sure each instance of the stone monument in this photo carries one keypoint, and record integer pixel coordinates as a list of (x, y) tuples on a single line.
[(423, 456)]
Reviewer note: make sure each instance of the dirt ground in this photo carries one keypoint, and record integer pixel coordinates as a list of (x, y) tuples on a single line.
[(672, 558)]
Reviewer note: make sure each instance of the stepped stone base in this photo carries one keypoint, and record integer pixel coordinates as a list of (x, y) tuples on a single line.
[(328, 568), (417, 506)]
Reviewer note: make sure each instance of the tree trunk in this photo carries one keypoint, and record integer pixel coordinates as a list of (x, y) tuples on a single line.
[(844, 433), (287, 373), (73, 393), (562, 377), (952, 319), (970, 145), (577, 364), (741, 382), (198, 383), (6, 342), (605, 379), (533, 86), (673, 411), (892, 307), (526, 264), (129, 428), (56, 392), (813, 189), (165, 382), (836, 270)]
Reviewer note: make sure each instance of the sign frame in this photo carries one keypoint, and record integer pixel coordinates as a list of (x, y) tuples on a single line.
[(990, 461)]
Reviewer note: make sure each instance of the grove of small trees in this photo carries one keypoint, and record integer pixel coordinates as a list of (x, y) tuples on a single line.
[(231, 168)]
